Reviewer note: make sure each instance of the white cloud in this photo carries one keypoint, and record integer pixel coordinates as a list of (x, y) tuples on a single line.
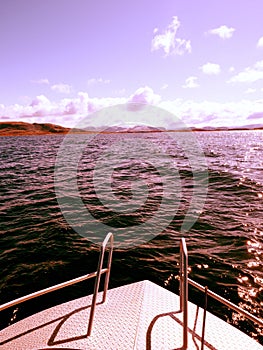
[(260, 42), (168, 42), (62, 88), (259, 65), (249, 74), (66, 112), (223, 32), (231, 69), (119, 91), (93, 81), (164, 86), (210, 113), (43, 81), (190, 83), (211, 68), (69, 111), (250, 91), (145, 95), (41, 101)]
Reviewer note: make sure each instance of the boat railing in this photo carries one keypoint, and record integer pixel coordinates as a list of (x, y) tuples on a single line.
[(185, 281), (100, 270), (184, 289)]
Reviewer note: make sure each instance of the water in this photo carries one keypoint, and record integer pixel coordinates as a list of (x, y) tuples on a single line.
[(145, 205)]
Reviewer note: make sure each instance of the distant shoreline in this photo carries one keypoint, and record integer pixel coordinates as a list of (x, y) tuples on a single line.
[(38, 129)]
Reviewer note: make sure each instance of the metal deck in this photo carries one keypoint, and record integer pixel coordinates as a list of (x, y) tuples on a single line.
[(138, 316)]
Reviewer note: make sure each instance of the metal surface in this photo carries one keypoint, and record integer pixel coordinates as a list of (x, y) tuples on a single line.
[(139, 316)]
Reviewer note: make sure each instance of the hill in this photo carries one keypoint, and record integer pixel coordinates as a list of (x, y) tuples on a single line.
[(22, 128)]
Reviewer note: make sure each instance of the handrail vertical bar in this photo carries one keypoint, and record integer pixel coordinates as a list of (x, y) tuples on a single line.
[(184, 289), (181, 277), (185, 317), (107, 277), (97, 281), (204, 319), (95, 292)]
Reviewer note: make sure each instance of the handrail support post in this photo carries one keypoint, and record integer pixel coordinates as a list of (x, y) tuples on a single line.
[(97, 281), (184, 289)]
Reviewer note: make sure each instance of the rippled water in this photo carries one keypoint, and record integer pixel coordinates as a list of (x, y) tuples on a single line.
[(142, 187)]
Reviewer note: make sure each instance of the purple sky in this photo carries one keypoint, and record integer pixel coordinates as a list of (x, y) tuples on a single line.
[(62, 59)]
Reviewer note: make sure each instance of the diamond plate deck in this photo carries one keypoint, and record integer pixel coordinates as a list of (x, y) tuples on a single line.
[(141, 316)]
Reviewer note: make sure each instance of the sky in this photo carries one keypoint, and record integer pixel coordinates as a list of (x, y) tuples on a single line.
[(63, 60)]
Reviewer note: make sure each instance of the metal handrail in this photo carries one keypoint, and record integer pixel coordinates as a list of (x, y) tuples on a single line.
[(48, 290), (184, 289), (184, 281), (227, 303), (97, 282), (97, 274)]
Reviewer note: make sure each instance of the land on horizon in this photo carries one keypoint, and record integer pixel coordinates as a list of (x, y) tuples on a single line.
[(17, 128)]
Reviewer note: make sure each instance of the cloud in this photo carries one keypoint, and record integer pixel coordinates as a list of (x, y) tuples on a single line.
[(40, 101), (69, 111), (250, 91), (5, 118), (70, 108), (259, 65), (93, 81), (260, 42), (211, 68), (249, 74), (190, 83), (65, 112), (121, 91), (210, 113), (223, 32), (143, 95), (164, 86), (168, 42), (43, 81), (257, 115), (62, 88)]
